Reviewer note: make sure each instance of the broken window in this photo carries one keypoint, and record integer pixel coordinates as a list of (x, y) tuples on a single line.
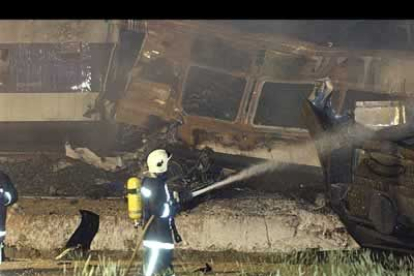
[(280, 104), (380, 114), (72, 67), (354, 96), (212, 94)]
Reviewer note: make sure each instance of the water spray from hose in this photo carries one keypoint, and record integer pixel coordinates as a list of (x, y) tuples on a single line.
[(330, 141), (244, 174)]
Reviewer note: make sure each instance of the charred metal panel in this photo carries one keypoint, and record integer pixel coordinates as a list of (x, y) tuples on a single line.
[(212, 94), (100, 58), (158, 70), (362, 65), (142, 100), (374, 75), (173, 47), (280, 104), (125, 56), (382, 169), (376, 198), (369, 34), (356, 70), (73, 67), (288, 66), (358, 199), (396, 74), (154, 78), (215, 52), (166, 41), (284, 66), (376, 34)]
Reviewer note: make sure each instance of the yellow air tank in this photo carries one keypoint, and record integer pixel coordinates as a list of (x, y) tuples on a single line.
[(134, 199)]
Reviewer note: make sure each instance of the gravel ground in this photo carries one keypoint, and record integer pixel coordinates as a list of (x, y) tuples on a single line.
[(42, 175)]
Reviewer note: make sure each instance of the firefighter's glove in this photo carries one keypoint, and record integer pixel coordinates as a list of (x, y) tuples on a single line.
[(138, 223), (184, 196)]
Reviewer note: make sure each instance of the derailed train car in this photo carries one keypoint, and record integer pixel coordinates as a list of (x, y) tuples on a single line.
[(240, 93), (234, 86), (239, 90), (368, 167)]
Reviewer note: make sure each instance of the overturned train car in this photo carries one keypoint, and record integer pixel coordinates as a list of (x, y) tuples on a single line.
[(368, 167)]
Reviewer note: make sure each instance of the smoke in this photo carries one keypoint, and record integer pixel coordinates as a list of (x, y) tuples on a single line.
[(328, 141)]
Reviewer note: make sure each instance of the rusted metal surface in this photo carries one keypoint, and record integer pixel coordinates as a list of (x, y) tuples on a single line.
[(369, 176), (261, 58), (155, 97)]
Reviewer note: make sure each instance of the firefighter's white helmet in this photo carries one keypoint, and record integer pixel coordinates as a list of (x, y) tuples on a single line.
[(157, 161)]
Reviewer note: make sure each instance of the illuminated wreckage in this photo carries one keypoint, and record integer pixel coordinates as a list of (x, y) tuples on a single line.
[(369, 173)]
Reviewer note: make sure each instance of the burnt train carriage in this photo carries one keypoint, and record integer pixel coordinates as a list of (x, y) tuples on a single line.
[(368, 172), (239, 88)]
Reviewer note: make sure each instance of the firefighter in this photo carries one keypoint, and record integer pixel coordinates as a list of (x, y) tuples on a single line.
[(8, 196), (159, 202)]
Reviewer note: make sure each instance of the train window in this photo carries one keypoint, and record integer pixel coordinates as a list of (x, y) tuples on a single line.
[(75, 67), (353, 97), (380, 114), (280, 104), (212, 94)]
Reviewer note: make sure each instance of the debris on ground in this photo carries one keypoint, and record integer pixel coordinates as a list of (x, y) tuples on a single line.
[(43, 175), (111, 164), (83, 173)]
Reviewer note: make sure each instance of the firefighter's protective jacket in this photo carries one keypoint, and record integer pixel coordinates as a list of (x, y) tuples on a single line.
[(7, 189), (158, 202), (8, 196)]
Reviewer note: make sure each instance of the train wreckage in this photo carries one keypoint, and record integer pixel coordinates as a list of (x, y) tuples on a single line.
[(221, 100), (367, 172)]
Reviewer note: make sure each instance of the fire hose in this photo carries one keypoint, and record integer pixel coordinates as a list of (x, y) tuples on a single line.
[(216, 185), (138, 245), (134, 184), (244, 174)]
